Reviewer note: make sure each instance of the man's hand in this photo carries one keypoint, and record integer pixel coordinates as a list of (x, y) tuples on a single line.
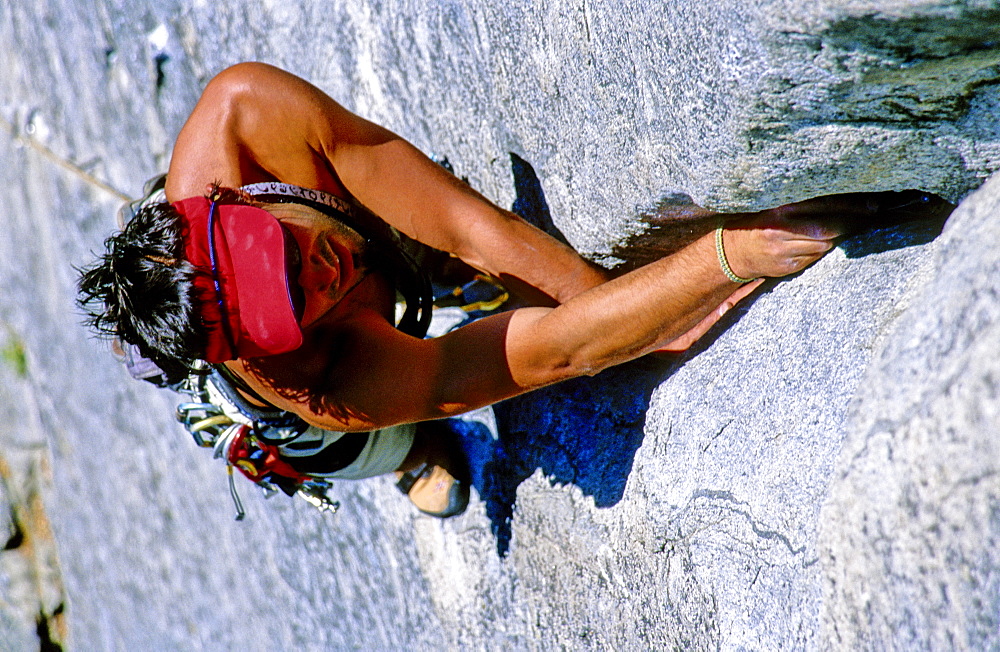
[(771, 243), (786, 239), (775, 246)]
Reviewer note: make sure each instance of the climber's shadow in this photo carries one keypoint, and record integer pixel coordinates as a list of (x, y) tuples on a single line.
[(586, 431), (583, 432)]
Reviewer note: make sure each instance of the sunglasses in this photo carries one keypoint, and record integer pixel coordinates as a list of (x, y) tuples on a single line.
[(293, 267)]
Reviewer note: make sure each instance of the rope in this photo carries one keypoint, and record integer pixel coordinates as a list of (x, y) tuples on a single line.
[(65, 164)]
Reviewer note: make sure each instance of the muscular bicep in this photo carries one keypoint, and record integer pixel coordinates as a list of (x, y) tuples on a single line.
[(257, 123)]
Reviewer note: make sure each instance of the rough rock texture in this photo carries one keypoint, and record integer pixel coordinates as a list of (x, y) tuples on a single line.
[(910, 532), (820, 473)]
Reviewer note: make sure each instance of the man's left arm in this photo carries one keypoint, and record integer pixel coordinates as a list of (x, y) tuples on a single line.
[(255, 122)]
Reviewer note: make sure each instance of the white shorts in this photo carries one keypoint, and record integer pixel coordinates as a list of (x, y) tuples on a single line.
[(385, 451)]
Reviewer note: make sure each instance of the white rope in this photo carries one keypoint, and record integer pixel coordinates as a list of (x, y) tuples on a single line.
[(62, 162)]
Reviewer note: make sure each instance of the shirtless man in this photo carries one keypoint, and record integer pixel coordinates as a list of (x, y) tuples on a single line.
[(286, 299)]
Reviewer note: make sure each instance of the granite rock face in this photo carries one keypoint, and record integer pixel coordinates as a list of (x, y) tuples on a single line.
[(909, 534), (820, 472)]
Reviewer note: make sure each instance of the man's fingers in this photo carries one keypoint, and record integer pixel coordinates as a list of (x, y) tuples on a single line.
[(791, 230), (815, 231), (776, 227), (684, 342), (784, 249), (854, 212), (807, 247), (831, 206)]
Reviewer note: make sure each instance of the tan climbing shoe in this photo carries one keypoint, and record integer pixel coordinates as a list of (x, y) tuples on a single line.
[(434, 491)]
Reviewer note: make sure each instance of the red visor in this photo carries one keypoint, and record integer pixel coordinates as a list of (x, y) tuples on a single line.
[(243, 290)]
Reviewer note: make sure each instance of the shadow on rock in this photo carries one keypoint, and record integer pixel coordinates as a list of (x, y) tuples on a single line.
[(529, 199), (586, 431), (583, 432), (895, 236)]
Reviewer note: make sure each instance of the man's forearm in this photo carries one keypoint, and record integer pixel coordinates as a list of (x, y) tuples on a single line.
[(619, 320), (533, 264)]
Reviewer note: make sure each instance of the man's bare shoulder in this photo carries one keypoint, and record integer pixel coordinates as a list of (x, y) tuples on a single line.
[(255, 123)]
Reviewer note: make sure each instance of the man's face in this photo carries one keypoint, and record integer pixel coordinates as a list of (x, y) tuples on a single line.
[(324, 266)]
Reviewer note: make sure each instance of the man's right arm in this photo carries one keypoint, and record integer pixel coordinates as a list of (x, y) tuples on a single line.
[(393, 378)]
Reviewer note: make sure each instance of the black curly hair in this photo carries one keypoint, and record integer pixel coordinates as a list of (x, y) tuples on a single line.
[(140, 291)]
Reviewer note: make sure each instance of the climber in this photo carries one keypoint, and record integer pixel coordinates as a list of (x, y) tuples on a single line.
[(270, 264)]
